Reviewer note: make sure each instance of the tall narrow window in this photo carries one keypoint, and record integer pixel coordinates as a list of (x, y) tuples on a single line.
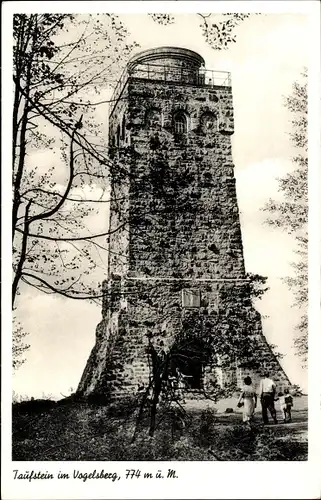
[(180, 123), (118, 136), (123, 129)]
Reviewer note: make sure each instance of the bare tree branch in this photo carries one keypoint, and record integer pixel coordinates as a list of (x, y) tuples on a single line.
[(83, 238), (59, 291)]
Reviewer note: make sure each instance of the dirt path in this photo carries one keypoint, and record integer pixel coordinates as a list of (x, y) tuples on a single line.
[(292, 432)]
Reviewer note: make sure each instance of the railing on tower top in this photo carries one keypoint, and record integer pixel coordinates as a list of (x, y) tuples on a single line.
[(201, 77)]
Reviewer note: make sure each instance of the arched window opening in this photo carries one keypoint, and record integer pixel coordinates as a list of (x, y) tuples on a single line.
[(209, 122), (153, 118), (180, 123)]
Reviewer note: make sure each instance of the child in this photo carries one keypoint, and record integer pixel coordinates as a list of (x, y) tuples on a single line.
[(286, 403)]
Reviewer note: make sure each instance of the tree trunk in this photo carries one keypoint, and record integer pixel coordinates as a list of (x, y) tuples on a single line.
[(153, 410)]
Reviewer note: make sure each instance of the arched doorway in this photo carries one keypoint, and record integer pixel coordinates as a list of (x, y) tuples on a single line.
[(188, 359)]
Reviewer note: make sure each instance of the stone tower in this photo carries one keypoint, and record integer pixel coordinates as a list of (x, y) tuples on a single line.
[(175, 248)]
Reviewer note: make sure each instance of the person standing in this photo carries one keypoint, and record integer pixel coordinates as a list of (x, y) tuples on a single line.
[(249, 399), (267, 394), (286, 403), (181, 384)]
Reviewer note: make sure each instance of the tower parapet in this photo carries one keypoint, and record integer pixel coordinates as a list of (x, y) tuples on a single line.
[(170, 64)]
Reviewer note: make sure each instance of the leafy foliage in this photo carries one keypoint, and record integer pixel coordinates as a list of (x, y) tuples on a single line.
[(291, 214), (163, 19), (257, 285), (219, 34), (19, 346)]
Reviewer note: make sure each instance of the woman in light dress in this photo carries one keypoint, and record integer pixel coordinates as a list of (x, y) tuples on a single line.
[(248, 400)]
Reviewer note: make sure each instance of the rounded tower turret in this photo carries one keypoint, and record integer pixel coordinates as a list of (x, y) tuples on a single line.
[(173, 63)]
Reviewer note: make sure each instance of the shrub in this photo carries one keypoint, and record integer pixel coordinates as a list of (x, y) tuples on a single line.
[(206, 433), (33, 406)]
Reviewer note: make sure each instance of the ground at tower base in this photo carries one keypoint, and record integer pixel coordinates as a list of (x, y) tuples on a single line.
[(45, 430)]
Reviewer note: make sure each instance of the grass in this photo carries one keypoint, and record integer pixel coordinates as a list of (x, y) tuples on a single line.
[(84, 431)]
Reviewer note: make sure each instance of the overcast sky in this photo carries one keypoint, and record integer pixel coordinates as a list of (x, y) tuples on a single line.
[(270, 52)]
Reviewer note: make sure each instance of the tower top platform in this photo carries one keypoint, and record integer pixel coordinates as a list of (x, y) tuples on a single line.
[(177, 55)]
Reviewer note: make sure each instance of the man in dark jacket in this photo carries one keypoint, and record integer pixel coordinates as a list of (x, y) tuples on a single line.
[(267, 394)]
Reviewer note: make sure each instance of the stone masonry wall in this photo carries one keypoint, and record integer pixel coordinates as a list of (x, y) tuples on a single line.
[(181, 230), (183, 205)]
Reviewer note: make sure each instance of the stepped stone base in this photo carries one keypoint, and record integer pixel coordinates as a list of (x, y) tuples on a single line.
[(119, 365)]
